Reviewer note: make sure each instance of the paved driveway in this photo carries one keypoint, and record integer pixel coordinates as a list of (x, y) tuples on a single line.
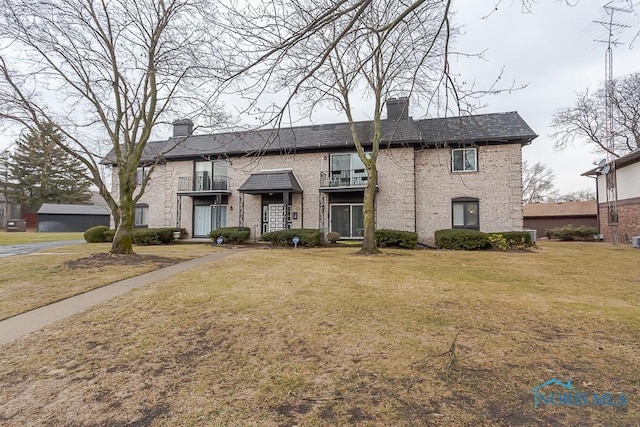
[(27, 248)]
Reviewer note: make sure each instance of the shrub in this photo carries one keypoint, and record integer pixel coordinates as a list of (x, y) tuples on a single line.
[(146, 236), (516, 239), (231, 234), (396, 238), (586, 233), (569, 232), (462, 239), (152, 236), (308, 237), (498, 241), (96, 234), (333, 237)]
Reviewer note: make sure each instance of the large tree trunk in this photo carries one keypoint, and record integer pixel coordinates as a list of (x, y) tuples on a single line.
[(123, 241), (369, 242)]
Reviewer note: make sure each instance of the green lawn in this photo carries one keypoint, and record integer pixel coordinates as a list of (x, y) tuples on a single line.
[(13, 238), (326, 337)]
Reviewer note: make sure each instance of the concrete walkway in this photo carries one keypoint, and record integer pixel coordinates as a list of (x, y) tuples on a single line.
[(28, 248), (22, 324)]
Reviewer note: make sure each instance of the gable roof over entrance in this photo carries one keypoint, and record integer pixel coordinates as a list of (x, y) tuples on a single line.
[(276, 181)]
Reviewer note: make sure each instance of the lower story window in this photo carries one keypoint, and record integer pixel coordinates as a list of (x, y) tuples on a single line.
[(465, 213), (347, 220), (141, 217)]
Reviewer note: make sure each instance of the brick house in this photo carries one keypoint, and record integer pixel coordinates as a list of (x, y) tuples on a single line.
[(621, 182), (432, 174), (545, 216)]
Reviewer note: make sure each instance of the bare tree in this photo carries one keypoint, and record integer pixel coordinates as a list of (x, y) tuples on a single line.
[(334, 52), (586, 120), (107, 70), (537, 183), (577, 196)]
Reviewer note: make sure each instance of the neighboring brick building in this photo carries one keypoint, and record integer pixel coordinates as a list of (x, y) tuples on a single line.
[(544, 216), (432, 174), (622, 216)]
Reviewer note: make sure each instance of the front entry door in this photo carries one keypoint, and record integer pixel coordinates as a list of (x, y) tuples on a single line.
[(273, 218)]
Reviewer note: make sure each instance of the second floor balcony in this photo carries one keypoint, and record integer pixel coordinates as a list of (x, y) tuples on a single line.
[(343, 179), (203, 184)]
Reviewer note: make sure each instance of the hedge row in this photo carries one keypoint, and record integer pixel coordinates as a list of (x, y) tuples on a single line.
[(396, 238), (231, 234), (140, 236), (308, 237), (569, 232), (469, 240)]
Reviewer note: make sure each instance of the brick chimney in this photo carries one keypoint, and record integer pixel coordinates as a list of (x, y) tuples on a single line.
[(183, 127), (397, 108)]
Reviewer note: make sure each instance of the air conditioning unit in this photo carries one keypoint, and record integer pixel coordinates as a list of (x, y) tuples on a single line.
[(533, 233), (635, 242)]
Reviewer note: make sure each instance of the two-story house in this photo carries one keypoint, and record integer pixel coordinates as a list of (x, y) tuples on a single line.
[(618, 197), (455, 172)]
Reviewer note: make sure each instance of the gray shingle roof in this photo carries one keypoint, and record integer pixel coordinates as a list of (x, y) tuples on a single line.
[(498, 128), (63, 209), (303, 138), (271, 181), (483, 127)]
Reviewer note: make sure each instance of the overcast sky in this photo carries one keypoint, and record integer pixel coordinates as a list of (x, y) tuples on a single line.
[(551, 49)]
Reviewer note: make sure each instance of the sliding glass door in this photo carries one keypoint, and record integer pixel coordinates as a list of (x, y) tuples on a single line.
[(207, 218), (347, 219)]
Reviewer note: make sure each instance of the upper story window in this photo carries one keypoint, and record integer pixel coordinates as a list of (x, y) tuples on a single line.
[(464, 159), (141, 174), (345, 162), (211, 175), (347, 170)]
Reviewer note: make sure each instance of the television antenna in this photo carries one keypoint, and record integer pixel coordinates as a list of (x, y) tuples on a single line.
[(609, 168)]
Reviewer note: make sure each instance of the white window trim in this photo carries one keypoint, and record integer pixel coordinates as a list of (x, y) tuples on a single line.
[(475, 153)]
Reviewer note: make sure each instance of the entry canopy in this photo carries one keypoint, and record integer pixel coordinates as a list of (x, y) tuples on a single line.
[(275, 181)]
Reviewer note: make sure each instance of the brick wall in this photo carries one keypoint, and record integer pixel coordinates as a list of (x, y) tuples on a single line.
[(497, 184), (628, 220), (395, 201), (415, 188), (542, 224)]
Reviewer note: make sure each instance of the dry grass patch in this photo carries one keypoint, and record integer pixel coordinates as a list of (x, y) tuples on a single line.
[(14, 238), (31, 281), (326, 337)]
